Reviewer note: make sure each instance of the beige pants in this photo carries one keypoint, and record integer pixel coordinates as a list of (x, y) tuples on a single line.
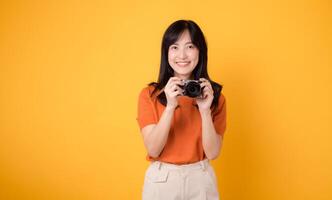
[(195, 181)]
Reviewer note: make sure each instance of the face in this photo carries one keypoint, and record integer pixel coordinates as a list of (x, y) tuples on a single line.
[(183, 56)]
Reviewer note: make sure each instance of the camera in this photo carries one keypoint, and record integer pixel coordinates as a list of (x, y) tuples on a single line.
[(191, 88)]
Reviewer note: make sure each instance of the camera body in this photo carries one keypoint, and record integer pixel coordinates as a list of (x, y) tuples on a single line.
[(192, 88)]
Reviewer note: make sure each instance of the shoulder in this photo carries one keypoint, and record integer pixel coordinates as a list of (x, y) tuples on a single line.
[(221, 104), (147, 91), (221, 98), (218, 89)]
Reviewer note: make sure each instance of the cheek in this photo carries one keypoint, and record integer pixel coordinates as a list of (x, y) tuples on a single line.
[(195, 56), (171, 56)]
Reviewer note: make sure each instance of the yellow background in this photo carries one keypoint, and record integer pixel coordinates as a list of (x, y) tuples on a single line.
[(71, 72)]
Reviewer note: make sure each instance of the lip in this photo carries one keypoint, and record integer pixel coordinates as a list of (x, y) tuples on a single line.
[(183, 63)]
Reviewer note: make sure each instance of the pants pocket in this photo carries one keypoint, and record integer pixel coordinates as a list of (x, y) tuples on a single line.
[(153, 178), (157, 175)]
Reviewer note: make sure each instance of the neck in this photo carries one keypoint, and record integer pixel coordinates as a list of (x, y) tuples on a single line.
[(184, 77)]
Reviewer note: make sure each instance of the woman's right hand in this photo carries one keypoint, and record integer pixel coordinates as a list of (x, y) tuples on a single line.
[(172, 91)]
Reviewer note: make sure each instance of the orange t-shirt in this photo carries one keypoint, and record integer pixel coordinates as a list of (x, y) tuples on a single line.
[(184, 142)]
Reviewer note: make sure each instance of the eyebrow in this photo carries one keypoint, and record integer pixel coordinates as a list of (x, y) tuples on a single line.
[(185, 43)]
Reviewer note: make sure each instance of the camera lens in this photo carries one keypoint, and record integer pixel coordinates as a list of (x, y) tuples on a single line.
[(193, 89)]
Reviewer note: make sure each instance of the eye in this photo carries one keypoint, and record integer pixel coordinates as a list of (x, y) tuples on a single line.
[(191, 46), (174, 47)]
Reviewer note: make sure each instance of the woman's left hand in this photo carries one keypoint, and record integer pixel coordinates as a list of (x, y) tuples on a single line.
[(205, 102)]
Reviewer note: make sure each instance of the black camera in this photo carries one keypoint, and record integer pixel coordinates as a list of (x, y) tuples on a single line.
[(191, 88)]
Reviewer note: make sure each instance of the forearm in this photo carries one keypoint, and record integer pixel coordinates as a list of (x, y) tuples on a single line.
[(159, 134), (210, 138)]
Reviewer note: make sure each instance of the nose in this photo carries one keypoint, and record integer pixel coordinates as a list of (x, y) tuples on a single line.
[(182, 54)]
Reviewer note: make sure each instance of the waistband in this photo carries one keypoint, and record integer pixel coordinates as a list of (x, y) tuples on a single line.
[(203, 164)]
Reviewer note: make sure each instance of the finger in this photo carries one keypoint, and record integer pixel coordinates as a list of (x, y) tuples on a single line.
[(177, 83), (203, 79), (172, 88), (171, 80), (206, 95), (210, 86), (176, 93), (206, 85), (207, 92), (179, 89), (174, 78), (176, 87), (170, 84)]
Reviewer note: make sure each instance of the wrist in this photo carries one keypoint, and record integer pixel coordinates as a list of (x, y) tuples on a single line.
[(170, 108), (205, 111)]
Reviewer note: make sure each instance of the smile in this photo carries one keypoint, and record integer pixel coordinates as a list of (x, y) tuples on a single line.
[(182, 63)]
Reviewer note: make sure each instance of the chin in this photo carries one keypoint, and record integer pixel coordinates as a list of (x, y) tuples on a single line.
[(184, 72)]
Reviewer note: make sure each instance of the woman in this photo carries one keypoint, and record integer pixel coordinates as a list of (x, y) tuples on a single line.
[(182, 133)]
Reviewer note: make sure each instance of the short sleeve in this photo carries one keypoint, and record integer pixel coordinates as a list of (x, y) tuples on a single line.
[(219, 116), (146, 110)]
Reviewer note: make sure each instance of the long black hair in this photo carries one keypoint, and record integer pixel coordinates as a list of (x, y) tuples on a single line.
[(171, 35)]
